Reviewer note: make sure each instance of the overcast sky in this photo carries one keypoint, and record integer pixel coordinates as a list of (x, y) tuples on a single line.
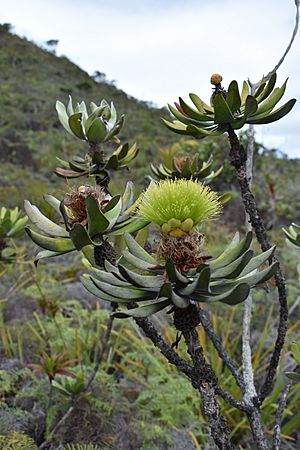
[(157, 50)]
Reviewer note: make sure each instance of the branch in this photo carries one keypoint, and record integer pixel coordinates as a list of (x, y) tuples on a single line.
[(204, 379), (278, 418), (238, 159), (206, 323), (150, 331)]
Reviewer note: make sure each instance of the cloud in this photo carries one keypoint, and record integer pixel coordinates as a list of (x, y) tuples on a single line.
[(158, 50)]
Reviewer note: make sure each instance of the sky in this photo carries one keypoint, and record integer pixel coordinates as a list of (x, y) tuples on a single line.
[(158, 50)]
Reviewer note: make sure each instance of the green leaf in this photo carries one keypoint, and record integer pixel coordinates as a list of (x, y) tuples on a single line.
[(276, 115), (142, 311), (200, 133), (137, 250), (193, 113), (75, 125), (235, 249), (233, 98), (223, 115), (234, 296), (151, 282), (97, 222), (200, 104), (97, 131), (175, 126), (42, 222), (79, 236), (245, 92), (136, 262), (272, 99), (233, 269), (167, 291), (268, 89), (63, 116), (59, 245)]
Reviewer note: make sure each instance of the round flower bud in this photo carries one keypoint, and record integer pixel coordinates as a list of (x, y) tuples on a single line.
[(187, 225), (165, 228), (216, 79), (174, 223)]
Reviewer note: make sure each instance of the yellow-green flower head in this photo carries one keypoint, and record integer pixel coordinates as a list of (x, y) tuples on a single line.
[(178, 206)]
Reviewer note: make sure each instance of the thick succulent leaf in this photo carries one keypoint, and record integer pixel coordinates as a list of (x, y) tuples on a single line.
[(272, 99), (176, 127), (59, 245), (181, 117), (75, 125), (193, 113), (251, 106), (116, 128), (97, 222), (136, 262), (257, 261), (138, 251), (97, 131), (108, 277), (223, 115), (113, 214), (142, 311), (200, 133), (260, 88), (46, 254), (90, 285), (201, 284), (65, 173), (70, 109), (233, 98), (63, 116), (268, 89), (128, 294), (233, 269), (167, 291), (256, 277), (236, 295), (42, 222), (89, 253), (127, 197), (132, 153), (151, 282), (79, 236), (235, 249), (174, 274), (53, 202), (245, 92), (200, 104), (275, 115), (135, 224), (111, 204)]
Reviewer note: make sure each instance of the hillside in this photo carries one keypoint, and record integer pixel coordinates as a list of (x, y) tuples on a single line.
[(32, 79)]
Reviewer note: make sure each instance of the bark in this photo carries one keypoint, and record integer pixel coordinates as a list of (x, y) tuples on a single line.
[(238, 160), (204, 380)]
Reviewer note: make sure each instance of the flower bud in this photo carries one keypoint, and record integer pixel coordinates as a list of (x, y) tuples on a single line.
[(216, 79)]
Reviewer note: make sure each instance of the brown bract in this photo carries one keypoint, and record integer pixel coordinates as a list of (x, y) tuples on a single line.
[(75, 202), (183, 251)]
